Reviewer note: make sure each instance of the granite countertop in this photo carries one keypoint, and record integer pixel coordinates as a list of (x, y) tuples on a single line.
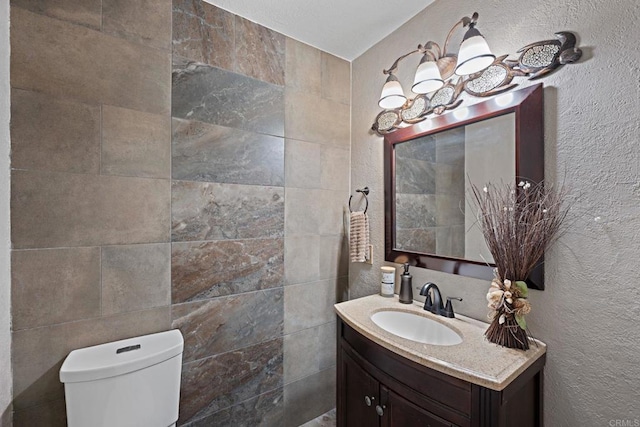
[(475, 359)]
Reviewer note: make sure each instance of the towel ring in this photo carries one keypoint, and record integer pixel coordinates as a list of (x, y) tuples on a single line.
[(365, 193)]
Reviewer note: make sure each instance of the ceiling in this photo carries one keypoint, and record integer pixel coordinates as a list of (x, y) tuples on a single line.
[(343, 28)]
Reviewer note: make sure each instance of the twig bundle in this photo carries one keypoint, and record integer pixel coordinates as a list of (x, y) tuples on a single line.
[(518, 224)]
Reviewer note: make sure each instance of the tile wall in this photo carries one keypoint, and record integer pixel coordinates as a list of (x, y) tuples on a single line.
[(194, 181), (430, 194), (260, 161)]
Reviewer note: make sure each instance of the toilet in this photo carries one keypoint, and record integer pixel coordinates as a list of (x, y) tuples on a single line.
[(133, 382)]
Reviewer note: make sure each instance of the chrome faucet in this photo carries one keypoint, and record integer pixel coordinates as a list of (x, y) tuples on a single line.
[(435, 305)]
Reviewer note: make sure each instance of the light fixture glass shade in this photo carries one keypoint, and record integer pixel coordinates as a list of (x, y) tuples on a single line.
[(474, 54), (428, 78), (392, 94)]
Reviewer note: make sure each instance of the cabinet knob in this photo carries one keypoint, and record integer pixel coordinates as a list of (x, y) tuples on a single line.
[(367, 400), (380, 410)]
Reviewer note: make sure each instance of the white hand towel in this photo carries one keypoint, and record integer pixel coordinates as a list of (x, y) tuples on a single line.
[(358, 236)]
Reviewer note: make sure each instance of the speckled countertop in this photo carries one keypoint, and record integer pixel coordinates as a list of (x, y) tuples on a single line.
[(475, 359)]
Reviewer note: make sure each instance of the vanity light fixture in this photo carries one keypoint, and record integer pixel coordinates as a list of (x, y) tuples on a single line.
[(442, 76), (437, 65)]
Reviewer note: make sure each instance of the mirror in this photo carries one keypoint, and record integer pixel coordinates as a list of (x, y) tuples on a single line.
[(428, 170)]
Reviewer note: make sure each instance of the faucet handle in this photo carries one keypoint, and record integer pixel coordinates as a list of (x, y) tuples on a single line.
[(448, 310)]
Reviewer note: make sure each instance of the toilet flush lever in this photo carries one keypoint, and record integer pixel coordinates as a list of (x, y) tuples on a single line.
[(128, 348)]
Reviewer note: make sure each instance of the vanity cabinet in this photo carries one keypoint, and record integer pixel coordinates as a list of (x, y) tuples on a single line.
[(377, 387)]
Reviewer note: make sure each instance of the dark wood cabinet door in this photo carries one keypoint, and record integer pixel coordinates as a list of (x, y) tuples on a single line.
[(359, 396), (399, 412)]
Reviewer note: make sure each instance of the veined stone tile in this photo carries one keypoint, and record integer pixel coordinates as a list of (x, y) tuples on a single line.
[(54, 134), (260, 52), (423, 148), (211, 95), (211, 211), (227, 323), (143, 21), (416, 211), (266, 410), (202, 270), (205, 152), (221, 381), (418, 240), (135, 277), (57, 209), (38, 354), (203, 33), (303, 67), (135, 143), (54, 286), (415, 176), (59, 58), (84, 12)]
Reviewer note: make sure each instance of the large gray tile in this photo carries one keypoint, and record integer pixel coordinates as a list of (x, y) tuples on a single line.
[(38, 354), (336, 79), (55, 57), (334, 256), (415, 176), (450, 241), (211, 211), (135, 277), (266, 410), (55, 209), (418, 240), (205, 152), (450, 180), (227, 323), (450, 147), (204, 33), (135, 143), (328, 419), (423, 148), (224, 380), (309, 351), (260, 52), (336, 169), (309, 304), (301, 259), (309, 397), (303, 164), (142, 21), (210, 269), (207, 94), (450, 210), (416, 211), (54, 286), (50, 414), (303, 210), (335, 211), (54, 134), (313, 119), (303, 67), (84, 12)]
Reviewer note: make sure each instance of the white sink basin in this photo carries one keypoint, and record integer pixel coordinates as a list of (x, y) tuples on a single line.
[(416, 328)]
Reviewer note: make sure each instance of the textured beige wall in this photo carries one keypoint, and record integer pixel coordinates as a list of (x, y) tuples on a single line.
[(5, 276), (589, 313)]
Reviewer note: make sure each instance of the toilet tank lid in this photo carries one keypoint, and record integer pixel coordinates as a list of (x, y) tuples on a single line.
[(120, 357)]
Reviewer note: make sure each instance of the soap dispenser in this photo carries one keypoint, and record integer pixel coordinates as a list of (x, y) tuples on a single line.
[(406, 292)]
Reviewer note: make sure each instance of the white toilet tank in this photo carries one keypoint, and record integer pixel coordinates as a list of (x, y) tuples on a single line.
[(133, 382)]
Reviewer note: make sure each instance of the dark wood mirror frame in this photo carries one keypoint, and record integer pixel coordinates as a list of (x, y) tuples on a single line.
[(527, 104)]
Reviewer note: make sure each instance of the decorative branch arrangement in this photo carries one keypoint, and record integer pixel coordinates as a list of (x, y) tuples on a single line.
[(518, 224), (535, 60)]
